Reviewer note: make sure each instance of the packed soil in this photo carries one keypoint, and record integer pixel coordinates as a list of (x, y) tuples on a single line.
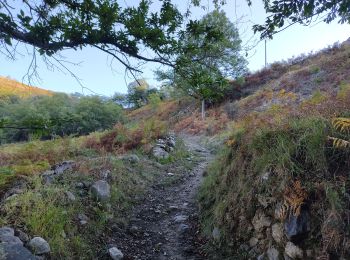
[(164, 225)]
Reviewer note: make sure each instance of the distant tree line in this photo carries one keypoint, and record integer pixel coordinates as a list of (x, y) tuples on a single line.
[(44, 117), (140, 93)]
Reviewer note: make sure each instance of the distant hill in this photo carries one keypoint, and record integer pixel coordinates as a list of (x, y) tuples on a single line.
[(12, 87)]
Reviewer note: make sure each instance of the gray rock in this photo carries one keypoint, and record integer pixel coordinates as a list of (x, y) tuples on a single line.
[(244, 247), (131, 158), (297, 227), (7, 235), (134, 229), (79, 185), (115, 253), (106, 174), (273, 254), (56, 170), (15, 252), (101, 191), (253, 242), (173, 208), (48, 179), (160, 153), (160, 141), (216, 233), (265, 176), (83, 219), (293, 251), (277, 233), (7, 231), (183, 228), (171, 142), (62, 167), (180, 218), (22, 236), (70, 196), (10, 239), (39, 246), (260, 221)]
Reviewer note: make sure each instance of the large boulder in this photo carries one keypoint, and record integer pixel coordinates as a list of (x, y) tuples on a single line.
[(7, 235), (15, 252), (7, 231), (10, 239), (39, 246), (101, 190)]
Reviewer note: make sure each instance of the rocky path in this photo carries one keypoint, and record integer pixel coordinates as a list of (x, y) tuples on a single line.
[(164, 226)]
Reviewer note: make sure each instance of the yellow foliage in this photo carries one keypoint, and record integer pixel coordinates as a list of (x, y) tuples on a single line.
[(294, 197), (283, 94), (342, 124), (230, 142), (13, 87), (338, 142)]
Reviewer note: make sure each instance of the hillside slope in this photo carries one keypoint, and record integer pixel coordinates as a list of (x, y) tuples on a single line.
[(280, 185), (13, 87)]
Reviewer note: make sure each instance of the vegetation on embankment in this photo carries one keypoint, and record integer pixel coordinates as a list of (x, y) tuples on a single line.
[(34, 157), (281, 169)]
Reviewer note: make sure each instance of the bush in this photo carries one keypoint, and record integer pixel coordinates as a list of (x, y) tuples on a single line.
[(60, 115)]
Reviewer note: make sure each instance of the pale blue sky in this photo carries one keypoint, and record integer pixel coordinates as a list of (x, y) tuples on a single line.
[(96, 74)]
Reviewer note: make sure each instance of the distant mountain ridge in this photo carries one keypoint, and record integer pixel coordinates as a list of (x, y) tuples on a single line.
[(12, 87)]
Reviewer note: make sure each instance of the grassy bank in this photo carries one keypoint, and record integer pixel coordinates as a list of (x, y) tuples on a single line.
[(282, 159)]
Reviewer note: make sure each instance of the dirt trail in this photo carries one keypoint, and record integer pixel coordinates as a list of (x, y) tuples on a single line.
[(164, 226)]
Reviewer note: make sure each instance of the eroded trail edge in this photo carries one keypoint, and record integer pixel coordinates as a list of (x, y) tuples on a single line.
[(164, 225)]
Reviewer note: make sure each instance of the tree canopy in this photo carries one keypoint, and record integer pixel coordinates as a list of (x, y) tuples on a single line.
[(211, 54), (144, 31), (282, 14), (55, 25)]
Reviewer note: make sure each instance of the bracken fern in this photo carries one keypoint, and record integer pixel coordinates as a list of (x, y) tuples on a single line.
[(343, 125)]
